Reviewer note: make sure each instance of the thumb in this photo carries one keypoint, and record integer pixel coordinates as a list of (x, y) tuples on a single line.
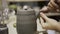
[(44, 25), (42, 22)]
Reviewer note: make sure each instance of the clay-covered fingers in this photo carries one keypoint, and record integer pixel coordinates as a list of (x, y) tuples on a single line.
[(44, 16), (43, 24), (44, 9), (53, 4), (42, 21)]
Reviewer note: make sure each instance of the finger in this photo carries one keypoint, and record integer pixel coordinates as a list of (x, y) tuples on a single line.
[(44, 25), (54, 4), (44, 9), (51, 6), (42, 22), (44, 16)]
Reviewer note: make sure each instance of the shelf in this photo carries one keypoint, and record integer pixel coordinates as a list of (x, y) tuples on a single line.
[(25, 0)]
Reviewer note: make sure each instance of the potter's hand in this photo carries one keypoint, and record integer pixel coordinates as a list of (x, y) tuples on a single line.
[(50, 23), (52, 6)]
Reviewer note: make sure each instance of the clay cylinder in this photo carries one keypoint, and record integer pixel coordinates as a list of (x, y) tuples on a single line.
[(26, 22)]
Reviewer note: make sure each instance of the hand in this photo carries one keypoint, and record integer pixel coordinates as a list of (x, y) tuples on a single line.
[(52, 6), (50, 23)]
